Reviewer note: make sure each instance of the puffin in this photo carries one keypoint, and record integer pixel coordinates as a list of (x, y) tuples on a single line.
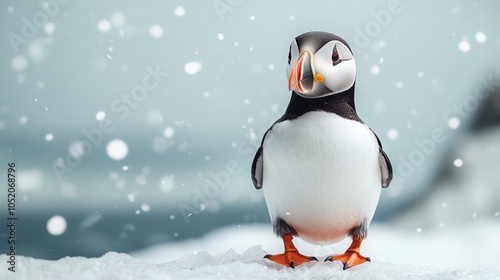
[(321, 168)]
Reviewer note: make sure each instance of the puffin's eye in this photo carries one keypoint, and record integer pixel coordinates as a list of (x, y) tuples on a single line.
[(290, 55), (335, 56)]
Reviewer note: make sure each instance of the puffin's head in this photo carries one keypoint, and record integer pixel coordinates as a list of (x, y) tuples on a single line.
[(320, 64)]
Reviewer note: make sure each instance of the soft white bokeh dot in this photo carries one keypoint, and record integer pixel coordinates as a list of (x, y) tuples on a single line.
[(180, 11), (464, 46), (458, 162), (156, 31), (393, 134), (480, 37), (49, 137), (56, 225), (453, 123), (49, 28), (192, 67), (220, 36), (76, 149), (375, 69), (154, 117), (104, 25), (100, 115), (145, 207), (168, 132), (36, 49), (167, 183), (19, 63), (117, 149), (141, 180), (117, 19), (23, 120)]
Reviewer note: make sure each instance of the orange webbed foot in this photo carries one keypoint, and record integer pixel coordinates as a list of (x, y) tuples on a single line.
[(351, 257), (290, 258)]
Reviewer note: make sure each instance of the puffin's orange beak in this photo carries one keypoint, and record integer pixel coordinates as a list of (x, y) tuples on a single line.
[(301, 77)]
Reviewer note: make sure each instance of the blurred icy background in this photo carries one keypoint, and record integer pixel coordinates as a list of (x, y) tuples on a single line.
[(102, 170)]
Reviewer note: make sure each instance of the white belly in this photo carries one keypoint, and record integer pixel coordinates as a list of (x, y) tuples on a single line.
[(321, 175)]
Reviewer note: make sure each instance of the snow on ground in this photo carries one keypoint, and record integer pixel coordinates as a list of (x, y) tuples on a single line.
[(464, 252)]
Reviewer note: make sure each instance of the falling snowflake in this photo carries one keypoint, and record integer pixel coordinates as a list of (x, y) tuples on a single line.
[(458, 162), (117, 149), (192, 67), (464, 46), (117, 20), (179, 11), (453, 123), (480, 37), (375, 69), (49, 137), (100, 115), (156, 31), (104, 25), (168, 132), (393, 134), (56, 225)]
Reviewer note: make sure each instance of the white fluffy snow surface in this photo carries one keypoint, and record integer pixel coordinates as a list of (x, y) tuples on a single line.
[(468, 252)]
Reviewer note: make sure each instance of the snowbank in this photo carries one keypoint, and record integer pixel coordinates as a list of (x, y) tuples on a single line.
[(249, 265), (453, 253)]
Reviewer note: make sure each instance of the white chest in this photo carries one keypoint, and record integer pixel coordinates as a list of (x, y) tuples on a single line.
[(321, 175)]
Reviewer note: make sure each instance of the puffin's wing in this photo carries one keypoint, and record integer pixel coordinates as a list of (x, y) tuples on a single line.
[(385, 168), (257, 169), (384, 163)]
